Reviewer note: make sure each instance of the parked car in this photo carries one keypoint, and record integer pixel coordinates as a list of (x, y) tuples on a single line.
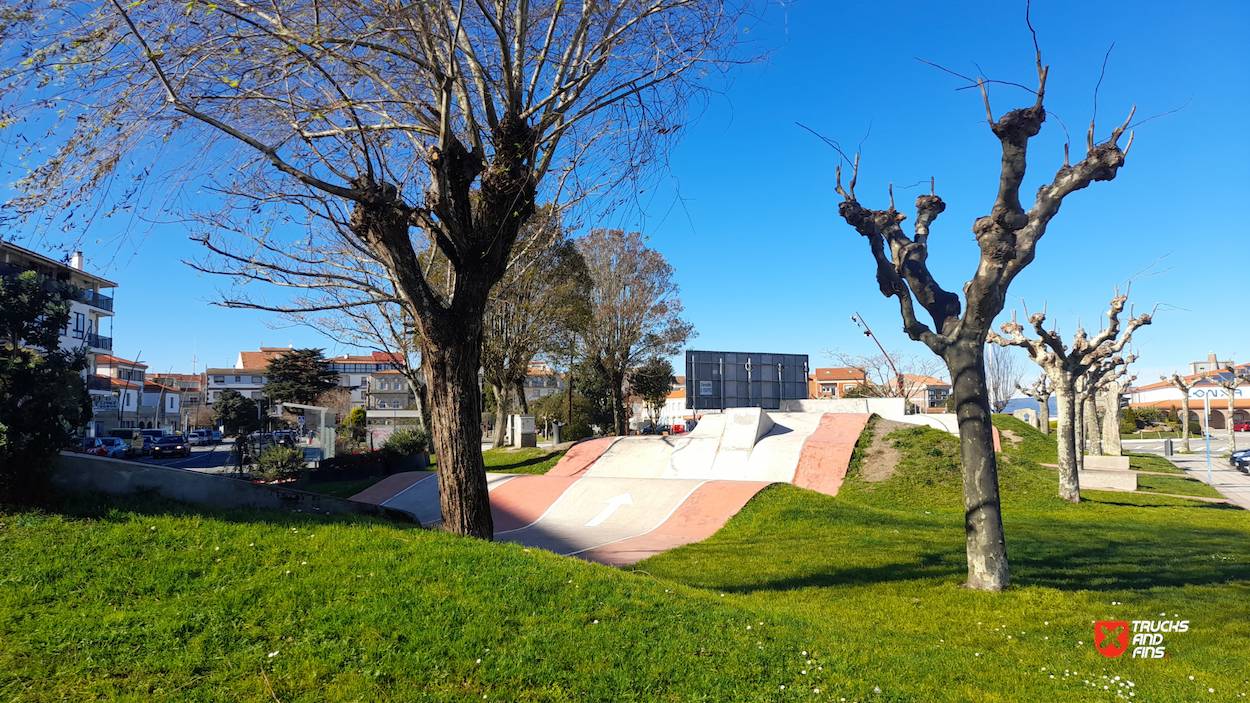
[(93, 446), (1240, 460), (115, 447), (1241, 427), (216, 436), (148, 441), (199, 438), (171, 445)]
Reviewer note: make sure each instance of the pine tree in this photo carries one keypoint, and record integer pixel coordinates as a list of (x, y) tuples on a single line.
[(299, 376)]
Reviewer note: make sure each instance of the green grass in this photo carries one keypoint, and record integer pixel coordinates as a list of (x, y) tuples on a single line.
[(1152, 462), (846, 594), (531, 460), (1179, 485)]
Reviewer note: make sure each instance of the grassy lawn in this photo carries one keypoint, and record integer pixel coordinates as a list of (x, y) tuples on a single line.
[(531, 460), (1179, 485), (856, 595), (1152, 462)]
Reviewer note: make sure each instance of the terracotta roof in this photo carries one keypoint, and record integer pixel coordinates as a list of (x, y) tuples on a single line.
[(260, 359), (385, 357), (149, 384), (118, 383), (840, 373), (674, 395), (110, 360), (914, 380), (388, 371), (1191, 378)]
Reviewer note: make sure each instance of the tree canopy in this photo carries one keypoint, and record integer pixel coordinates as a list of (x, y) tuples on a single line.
[(43, 399), (234, 413), (299, 376)]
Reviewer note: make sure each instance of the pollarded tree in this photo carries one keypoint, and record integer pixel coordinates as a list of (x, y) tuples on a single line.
[(1087, 389), (1113, 387), (1008, 238), (1040, 391), (634, 309), (390, 125), (1065, 366), (1183, 385), (298, 376), (1002, 376), (1229, 378)]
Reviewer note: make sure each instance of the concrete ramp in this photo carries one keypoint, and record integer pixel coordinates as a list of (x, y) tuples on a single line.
[(620, 500)]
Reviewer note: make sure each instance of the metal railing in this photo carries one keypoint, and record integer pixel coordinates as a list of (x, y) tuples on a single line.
[(95, 341), (99, 383), (71, 291)]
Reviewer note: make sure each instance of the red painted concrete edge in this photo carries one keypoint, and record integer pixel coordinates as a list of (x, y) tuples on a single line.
[(998, 444), (704, 512), (524, 499), (581, 456), (826, 454), (390, 487)]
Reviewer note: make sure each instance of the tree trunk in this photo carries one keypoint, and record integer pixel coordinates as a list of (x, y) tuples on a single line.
[(1185, 420), (619, 417), (983, 520), (1092, 434), (451, 363), (521, 399), (501, 414), (1078, 436), (1069, 485), (1228, 421), (1111, 421), (1043, 415)]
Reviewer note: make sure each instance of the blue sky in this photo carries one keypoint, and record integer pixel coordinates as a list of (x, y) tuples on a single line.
[(747, 214)]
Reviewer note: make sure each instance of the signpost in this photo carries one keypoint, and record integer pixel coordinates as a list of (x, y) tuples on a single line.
[(1206, 429)]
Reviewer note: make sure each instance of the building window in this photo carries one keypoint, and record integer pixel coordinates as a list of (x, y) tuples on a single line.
[(219, 379), (80, 325), (257, 379), (257, 395), (238, 379)]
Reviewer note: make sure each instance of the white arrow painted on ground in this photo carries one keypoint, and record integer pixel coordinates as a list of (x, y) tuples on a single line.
[(613, 504)]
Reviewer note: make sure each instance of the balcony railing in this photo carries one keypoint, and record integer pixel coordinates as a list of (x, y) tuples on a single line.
[(99, 383), (95, 341), (71, 291)]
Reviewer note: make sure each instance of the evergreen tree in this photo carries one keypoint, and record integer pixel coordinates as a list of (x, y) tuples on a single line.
[(652, 382), (43, 399), (234, 413), (299, 376)]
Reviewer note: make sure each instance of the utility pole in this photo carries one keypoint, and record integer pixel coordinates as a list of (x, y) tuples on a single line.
[(860, 323)]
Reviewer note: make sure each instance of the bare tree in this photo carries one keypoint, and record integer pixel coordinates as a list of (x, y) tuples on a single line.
[(880, 379), (1183, 385), (1007, 238), (337, 399), (375, 119), (1002, 376), (1040, 391), (1087, 388), (634, 309), (1112, 390), (1229, 378), (1065, 366)]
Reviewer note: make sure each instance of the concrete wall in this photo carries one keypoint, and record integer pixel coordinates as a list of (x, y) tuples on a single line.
[(1122, 480), (888, 408), (82, 473)]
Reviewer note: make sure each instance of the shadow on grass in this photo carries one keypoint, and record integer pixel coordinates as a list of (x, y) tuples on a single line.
[(504, 468)]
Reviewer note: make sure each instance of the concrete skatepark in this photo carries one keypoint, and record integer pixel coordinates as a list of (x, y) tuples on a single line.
[(618, 500)]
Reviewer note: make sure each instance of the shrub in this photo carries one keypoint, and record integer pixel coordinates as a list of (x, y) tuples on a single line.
[(277, 463), (407, 443), (1195, 427), (1128, 421)]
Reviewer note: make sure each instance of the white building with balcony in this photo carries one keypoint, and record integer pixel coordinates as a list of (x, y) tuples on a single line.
[(90, 319)]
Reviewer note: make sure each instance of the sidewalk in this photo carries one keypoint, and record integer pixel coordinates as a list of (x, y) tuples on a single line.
[(1230, 482)]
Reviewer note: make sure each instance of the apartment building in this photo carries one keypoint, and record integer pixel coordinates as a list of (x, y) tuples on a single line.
[(541, 380), (389, 389), (90, 319), (833, 382)]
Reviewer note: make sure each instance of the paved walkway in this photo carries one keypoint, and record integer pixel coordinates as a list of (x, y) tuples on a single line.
[(1231, 483)]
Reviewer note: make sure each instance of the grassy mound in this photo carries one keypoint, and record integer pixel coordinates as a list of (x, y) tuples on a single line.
[(857, 596)]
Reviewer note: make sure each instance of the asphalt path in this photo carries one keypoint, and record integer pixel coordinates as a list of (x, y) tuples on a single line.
[(1198, 445)]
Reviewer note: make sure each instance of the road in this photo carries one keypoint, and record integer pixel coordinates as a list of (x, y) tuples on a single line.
[(1198, 445), (213, 459)]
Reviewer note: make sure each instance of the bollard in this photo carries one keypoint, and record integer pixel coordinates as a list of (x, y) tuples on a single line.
[(1167, 447), (555, 433)]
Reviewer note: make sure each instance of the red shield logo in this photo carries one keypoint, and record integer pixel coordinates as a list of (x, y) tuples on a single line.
[(1111, 637)]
